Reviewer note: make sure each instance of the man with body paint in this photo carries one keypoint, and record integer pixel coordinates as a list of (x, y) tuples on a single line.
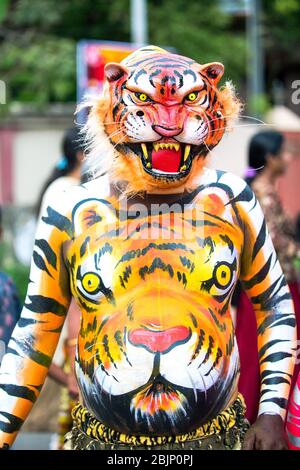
[(151, 250)]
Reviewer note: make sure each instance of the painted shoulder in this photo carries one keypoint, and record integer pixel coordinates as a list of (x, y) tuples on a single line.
[(229, 181), (65, 201), (236, 189)]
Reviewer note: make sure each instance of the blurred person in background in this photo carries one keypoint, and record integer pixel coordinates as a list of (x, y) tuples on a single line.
[(52, 411), (67, 172), (268, 160), (10, 307)]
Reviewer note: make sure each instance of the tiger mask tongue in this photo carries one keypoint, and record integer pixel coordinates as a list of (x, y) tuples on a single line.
[(166, 158)]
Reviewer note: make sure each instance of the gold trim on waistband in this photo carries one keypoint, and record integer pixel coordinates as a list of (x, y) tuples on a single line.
[(93, 428)]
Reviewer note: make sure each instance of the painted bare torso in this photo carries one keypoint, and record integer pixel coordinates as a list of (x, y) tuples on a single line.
[(156, 350)]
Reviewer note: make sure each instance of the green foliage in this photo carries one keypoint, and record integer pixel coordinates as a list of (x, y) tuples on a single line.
[(18, 272), (38, 38), (40, 71), (38, 53), (288, 6), (3, 9), (201, 31), (76, 19), (20, 276), (259, 104), (281, 27)]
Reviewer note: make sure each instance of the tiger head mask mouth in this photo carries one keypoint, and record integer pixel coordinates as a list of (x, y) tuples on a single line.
[(160, 113)]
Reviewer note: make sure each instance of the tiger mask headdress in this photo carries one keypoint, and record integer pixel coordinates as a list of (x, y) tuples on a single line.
[(159, 116)]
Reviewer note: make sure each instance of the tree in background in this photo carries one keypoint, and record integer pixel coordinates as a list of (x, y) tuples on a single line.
[(38, 44), (282, 48), (38, 39), (199, 29)]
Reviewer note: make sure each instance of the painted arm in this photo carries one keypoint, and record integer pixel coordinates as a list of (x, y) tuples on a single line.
[(34, 340), (264, 282)]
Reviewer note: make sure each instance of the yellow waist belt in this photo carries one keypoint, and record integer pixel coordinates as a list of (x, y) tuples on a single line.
[(93, 428)]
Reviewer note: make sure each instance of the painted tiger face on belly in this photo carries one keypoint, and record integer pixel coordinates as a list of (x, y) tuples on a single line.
[(156, 351)]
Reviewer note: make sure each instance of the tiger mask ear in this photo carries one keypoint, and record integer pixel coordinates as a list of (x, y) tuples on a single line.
[(213, 71), (114, 71)]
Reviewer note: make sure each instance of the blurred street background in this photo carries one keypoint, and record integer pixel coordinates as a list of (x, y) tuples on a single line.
[(50, 55)]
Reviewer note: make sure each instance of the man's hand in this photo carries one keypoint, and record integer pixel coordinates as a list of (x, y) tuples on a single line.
[(267, 433)]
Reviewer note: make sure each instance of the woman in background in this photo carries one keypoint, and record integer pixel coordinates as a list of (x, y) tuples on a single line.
[(67, 172), (268, 160), (10, 307)]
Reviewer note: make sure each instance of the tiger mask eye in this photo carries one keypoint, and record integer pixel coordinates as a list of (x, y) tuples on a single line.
[(142, 97), (196, 96), (192, 96)]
